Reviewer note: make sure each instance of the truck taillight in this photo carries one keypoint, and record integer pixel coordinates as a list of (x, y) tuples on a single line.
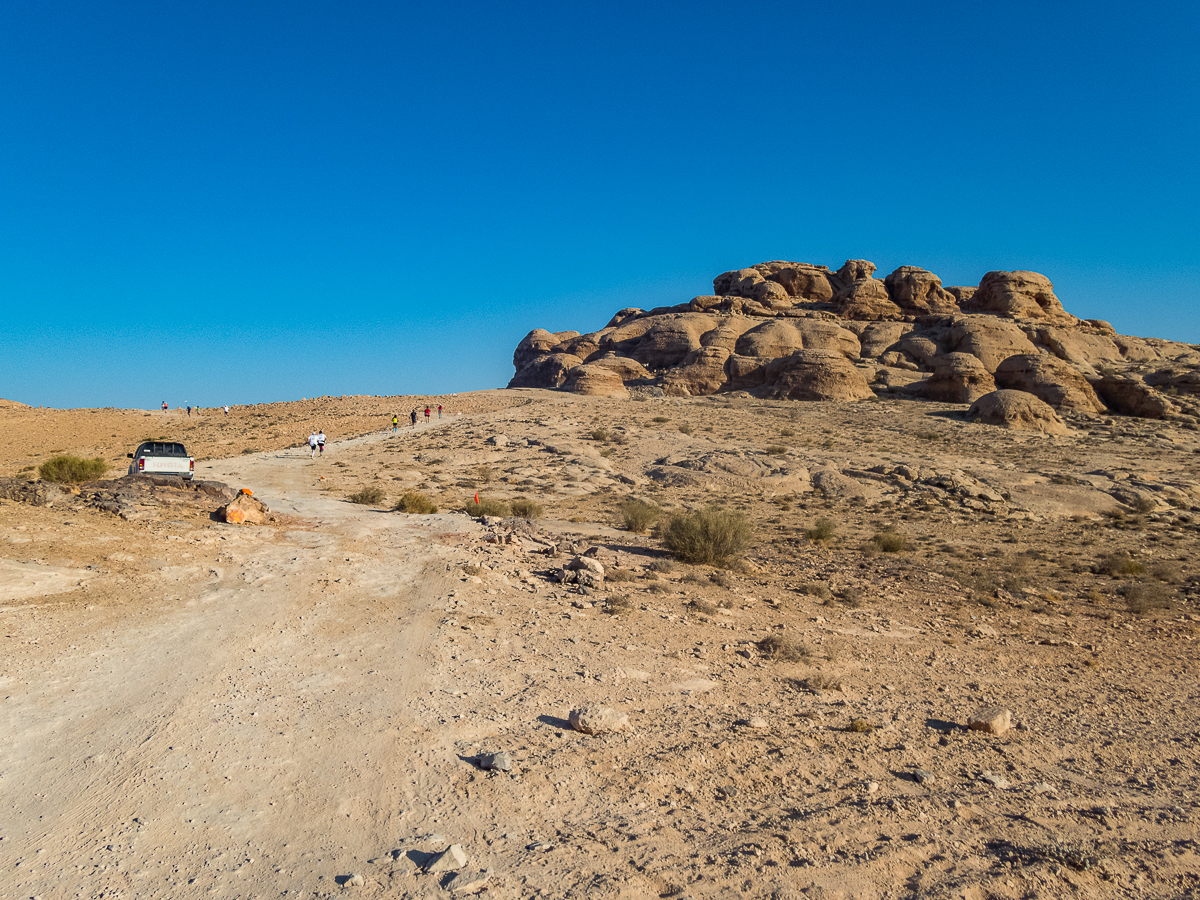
[(142, 464), (192, 466)]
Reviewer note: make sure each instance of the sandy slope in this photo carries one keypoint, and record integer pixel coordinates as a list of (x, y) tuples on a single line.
[(193, 709)]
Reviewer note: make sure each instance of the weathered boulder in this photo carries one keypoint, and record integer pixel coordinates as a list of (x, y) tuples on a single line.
[(852, 270), (801, 281), (866, 299), (701, 373), (595, 381), (1018, 295), (547, 371), (537, 343), (1016, 410), (598, 720), (669, 339), (245, 510), (1131, 397), (628, 369), (1049, 379), (814, 375), (992, 340), (918, 291), (958, 378), (876, 338)]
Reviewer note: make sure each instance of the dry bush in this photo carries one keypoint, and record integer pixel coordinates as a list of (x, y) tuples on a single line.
[(472, 569), (497, 508), (821, 681), (712, 536), (526, 509), (414, 502), (485, 474), (685, 429), (660, 420), (785, 648), (372, 495), (860, 726), (1119, 563), (1165, 571), (852, 596), (615, 604), (639, 515), (598, 434), (659, 587), (694, 577), (618, 575), (665, 566), (1144, 598), (823, 530), (720, 579), (1144, 504), (816, 589), (71, 469), (890, 541), (776, 450), (703, 607)]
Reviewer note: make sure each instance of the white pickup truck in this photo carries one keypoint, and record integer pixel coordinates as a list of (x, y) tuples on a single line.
[(162, 458)]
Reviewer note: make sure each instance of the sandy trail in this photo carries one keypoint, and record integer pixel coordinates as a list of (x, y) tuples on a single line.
[(250, 728)]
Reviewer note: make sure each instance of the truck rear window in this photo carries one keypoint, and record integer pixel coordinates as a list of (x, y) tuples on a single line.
[(161, 448)]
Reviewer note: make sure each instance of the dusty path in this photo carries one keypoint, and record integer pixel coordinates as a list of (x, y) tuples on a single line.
[(249, 729)]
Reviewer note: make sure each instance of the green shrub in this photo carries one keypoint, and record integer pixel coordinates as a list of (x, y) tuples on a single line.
[(413, 502), (890, 541), (71, 469), (639, 515), (776, 450), (660, 420), (1120, 563), (497, 508), (824, 530), (368, 496), (712, 536), (526, 508), (598, 434)]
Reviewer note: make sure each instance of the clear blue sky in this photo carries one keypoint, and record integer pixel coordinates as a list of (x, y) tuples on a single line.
[(229, 202)]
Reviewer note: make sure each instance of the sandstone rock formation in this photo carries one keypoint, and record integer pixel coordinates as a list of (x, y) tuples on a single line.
[(789, 330), (1016, 410)]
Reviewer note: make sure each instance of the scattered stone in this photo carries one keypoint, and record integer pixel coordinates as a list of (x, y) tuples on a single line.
[(448, 860), (501, 761), (540, 847), (355, 880), (1042, 787), (872, 787), (468, 882), (921, 776), (996, 781), (598, 720), (991, 720)]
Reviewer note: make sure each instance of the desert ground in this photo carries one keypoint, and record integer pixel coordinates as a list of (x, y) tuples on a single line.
[(305, 708)]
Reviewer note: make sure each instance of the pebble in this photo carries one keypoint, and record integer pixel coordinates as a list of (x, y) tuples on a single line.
[(922, 777), (469, 881), (996, 781), (356, 880), (1042, 787), (991, 720), (540, 846)]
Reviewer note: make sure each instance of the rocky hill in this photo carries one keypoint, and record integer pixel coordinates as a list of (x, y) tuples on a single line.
[(788, 330)]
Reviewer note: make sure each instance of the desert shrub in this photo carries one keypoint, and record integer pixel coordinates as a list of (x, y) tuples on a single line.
[(821, 681), (485, 474), (685, 429), (712, 536), (703, 607), (1120, 563), (890, 541), (489, 507), (1165, 571), (472, 569), (615, 604), (71, 469), (372, 495), (776, 450), (639, 515), (1143, 598), (663, 565), (659, 587), (823, 530), (720, 579), (815, 589), (860, 726), (526, 508), (1144, 504), (852, 596), (618, 575), (786, 432), (413, 502), (694, 577), (784, 647), (598, 434), (660, 420)]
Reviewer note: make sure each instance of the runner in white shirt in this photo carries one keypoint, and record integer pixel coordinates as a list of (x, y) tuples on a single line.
[(321, 442), (312, 444)]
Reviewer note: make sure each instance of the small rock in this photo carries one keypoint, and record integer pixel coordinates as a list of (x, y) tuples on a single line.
[(991, 720), (501, 761), (872, 787), (448, 860), (1041, 787), (468, 882), (598, 719), (996, 781), (755, 722), (921, 776), (540, 846), (355, 880), (497, 440)]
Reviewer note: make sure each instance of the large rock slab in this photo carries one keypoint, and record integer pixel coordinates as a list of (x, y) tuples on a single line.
[(1016, 410), (1051, 380)]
